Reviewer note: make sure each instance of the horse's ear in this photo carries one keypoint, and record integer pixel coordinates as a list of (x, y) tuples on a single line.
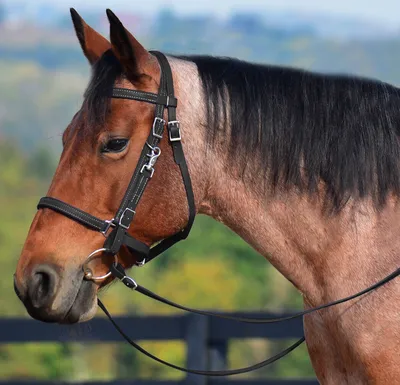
[(131, 54), (92, 43)]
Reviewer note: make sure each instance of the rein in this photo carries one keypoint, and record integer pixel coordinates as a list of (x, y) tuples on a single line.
[(120, 224)]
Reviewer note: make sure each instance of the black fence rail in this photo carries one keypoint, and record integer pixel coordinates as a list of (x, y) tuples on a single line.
[(206, 341)]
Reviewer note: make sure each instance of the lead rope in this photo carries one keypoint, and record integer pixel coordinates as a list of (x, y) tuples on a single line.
[(212, 373), (118, 271)]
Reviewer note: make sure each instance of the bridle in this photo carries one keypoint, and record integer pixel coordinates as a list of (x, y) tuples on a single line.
[(120, 224)]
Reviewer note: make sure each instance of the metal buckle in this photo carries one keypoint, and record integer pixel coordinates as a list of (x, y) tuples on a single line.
[(122, 217), (155, 153), (157, 119), (110, 223), (177, 124), (146, 167), (141, 263), (129, 282)]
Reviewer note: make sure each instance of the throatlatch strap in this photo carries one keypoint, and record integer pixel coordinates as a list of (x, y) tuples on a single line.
[(216, 373), (179, 157)]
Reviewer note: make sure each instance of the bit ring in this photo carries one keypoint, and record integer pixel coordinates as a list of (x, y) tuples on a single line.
[(88, 273)]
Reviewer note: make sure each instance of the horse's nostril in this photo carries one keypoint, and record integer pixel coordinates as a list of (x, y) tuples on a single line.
[(42, 287), (42, 283)]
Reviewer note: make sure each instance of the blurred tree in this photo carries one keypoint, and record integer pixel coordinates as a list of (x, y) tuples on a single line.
[(41, 164)]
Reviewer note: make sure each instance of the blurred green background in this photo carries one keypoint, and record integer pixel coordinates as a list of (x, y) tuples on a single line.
[(42, 78)]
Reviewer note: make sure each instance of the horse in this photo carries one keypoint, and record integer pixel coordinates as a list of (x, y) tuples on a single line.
[(303, 166)]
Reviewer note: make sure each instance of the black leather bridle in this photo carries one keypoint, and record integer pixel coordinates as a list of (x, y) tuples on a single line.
[(120, 224)]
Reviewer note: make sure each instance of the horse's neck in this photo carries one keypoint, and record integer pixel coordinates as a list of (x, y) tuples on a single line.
[(325, 257), (264, 225), (286, 237), (316, 252)]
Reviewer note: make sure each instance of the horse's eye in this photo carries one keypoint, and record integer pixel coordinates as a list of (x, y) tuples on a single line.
[(115, 145)]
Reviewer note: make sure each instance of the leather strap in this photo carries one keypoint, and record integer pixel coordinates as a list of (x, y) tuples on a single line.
[(120, 237), (118, 271), (125, 93), (179, 157), (212, 373), (74, 213)]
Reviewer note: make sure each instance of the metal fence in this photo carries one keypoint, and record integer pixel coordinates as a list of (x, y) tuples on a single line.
[(206, 341)]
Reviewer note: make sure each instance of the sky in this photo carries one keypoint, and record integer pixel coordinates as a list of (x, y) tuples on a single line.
[(378, 10)]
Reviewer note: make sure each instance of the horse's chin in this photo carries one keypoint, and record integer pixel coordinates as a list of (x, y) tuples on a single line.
[(84, 307), (79, 314)]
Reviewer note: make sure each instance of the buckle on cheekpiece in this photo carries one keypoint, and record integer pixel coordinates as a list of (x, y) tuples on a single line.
[(174, 131), (155, 122), (125, 215)]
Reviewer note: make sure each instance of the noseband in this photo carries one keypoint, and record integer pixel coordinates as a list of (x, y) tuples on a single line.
[(120, 224)]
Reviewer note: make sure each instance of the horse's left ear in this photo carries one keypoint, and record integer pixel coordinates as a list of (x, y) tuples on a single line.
[(92, 43), (131, 54)]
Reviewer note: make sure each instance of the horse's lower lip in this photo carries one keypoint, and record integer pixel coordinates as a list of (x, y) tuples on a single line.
[(82, 304), (70, 316)]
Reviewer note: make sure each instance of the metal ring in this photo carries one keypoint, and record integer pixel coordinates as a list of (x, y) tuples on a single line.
[(88, 273)]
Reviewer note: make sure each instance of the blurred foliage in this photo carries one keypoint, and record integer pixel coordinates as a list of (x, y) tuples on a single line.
[(231, 276), (41, 88), (37, 104)]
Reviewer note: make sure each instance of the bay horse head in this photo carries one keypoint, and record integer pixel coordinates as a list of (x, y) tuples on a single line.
[(101, 147)]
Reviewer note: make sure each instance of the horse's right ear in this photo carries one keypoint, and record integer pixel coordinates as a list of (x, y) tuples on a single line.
[(92, 43)]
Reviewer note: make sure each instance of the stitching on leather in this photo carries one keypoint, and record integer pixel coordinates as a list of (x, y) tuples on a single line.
[(84, 217), (139, 194)]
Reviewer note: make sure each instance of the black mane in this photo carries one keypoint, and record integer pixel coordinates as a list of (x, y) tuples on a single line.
[(302, 128), (291, 127), (98, 93)]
